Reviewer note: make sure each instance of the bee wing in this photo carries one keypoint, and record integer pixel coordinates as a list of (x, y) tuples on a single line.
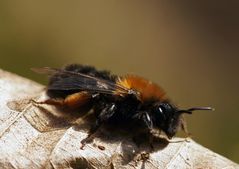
[(70, 80)]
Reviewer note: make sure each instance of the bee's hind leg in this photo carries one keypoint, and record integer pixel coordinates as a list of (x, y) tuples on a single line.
[(72, 101), (55, 102)]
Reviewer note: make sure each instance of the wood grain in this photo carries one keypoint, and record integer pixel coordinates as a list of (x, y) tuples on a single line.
[(33, 136)]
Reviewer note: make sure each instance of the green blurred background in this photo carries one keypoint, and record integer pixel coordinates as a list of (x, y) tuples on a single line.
[(190, 48)]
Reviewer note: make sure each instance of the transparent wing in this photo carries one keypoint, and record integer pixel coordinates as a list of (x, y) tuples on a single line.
[(69, 80)]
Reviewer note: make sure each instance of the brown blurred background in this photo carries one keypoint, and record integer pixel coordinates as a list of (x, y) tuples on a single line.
[(189, 48)]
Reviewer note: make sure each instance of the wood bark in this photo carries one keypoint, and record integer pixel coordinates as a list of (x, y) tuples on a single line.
[(33, 136)]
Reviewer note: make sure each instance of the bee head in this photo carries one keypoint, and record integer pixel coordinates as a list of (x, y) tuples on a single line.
[(168, 117)]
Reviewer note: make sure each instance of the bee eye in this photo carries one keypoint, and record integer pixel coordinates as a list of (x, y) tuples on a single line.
[(161, 111)]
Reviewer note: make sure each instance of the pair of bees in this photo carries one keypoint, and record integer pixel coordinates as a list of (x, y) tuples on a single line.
[(115, 100)]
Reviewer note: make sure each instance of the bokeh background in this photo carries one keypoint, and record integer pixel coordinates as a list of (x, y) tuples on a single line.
[(190, 48)]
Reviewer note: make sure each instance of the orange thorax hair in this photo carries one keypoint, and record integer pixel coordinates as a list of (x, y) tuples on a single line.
[(147, 89)]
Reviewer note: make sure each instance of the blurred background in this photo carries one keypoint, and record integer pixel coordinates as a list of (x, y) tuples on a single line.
[(190, 48)]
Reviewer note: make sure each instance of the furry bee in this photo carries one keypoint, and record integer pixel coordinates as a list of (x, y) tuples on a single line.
[(116, 100)]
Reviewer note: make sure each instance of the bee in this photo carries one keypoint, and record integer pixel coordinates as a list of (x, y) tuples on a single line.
[(115, 100)]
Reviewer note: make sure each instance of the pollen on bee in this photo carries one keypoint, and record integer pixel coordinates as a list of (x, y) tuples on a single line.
[(77, 99)]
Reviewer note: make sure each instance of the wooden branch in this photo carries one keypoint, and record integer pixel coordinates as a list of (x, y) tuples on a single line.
[(43, 137)]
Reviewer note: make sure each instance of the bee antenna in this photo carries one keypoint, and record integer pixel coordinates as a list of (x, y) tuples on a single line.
[(189, 111), (201, 108)]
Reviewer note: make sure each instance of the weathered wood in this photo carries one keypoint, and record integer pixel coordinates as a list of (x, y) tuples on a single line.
[(43, 137)]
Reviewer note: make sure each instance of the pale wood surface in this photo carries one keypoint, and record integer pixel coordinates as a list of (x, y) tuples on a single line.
[(35, 137)]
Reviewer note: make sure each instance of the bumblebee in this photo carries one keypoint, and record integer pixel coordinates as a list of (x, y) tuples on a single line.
[(115, 100)]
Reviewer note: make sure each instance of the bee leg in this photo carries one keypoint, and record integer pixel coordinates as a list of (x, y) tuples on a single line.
[(71, 101), (91, 133), (144, 137), (107, 112), (151, 140), (145, 119), (103, 116), (55, 102), (184, 127), (149, 124)]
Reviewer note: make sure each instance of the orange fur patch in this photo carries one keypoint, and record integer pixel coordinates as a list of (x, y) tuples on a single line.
[(77, 99), (147, 89)]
